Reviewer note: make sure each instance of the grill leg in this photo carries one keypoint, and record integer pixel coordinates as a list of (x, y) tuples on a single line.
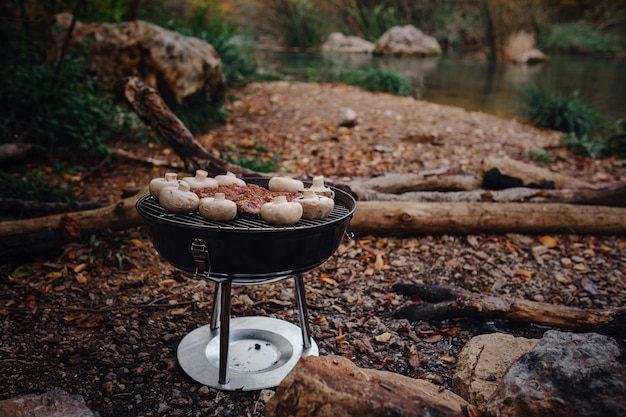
[(217, 301), (224, 330), (303, 312)]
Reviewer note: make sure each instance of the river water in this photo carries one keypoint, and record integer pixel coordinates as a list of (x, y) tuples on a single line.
[(478, 85)]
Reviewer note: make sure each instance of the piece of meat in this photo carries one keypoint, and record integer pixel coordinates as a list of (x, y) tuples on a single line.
[(249, 198)]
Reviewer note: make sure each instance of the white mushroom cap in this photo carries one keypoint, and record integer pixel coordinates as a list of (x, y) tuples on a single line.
[(179, 199), (229, 179), (281, 212), (217, 208)]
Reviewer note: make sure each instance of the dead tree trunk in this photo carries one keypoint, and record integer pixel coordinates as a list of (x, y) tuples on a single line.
[(444, 302), (151, 108), (118, 216), (611, 196), (410, 218)]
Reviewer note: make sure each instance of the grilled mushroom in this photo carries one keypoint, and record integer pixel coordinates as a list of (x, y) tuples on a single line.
[(280, 211), (179, 199)]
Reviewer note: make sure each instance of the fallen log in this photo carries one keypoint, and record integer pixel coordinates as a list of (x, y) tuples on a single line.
[(445, 302), (393, 218), (16, 249), (153, 111), (530, 174), (611, 196), (118, 216), (440, 180), (28, 208), (14, 151), (410, 218)]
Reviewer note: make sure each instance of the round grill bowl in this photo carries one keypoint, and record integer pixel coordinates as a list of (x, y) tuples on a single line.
[(247, 249)]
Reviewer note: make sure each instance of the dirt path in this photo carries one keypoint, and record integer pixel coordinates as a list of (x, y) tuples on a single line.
[(104, 320)]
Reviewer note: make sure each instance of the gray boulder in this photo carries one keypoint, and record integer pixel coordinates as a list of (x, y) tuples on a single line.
[(176, 65), (55, 403), (407, 40), (483, 361), (338, 42), (565, 374)]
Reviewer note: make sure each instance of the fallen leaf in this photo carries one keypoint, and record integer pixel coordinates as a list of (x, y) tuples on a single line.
[(327, 278), (75, 316), (548, 241), (525, 274), (339, 309), (380, 263), (341, 338), (511, 246), (78, 268), (88, 324), (179, 311), (320, 321), (448, 358), (21, 272), (62, 273), (167, 283), (383, 338), (581, 267), (450, 331), (81, 278), (136, 242)]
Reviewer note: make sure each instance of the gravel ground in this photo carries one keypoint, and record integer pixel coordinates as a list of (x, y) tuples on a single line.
[(104, 319)]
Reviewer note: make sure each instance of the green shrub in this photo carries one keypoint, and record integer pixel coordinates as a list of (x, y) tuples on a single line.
[(578, 37), (297, 23), (34, 185), (58, 112), (616, 140), (566, 113), (586, 145), (370, 21), (586, 132), (377, 79)]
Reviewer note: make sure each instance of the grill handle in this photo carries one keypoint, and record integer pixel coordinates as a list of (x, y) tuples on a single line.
[(200, 256)]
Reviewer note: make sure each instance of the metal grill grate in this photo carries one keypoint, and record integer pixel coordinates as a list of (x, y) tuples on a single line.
[(152, 209)]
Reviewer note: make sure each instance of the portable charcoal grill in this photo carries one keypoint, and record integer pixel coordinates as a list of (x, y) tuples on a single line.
[(245, 353)]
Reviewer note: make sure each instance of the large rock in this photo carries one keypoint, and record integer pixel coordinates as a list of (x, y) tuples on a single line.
[(178, 66), (407, 40), (565, 374), (483, 361), (338, 42), (55, 403), (331, 386), (520, 48)]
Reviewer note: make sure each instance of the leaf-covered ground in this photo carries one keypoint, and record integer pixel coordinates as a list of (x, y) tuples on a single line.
[(105, 318)]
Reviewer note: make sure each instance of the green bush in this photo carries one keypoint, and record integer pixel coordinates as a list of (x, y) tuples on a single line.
[(371, 21), (578, 37), (34, 185), (586, 132), (58, 112), (566, 113), (616, 140), (297, 23), (377, 79)]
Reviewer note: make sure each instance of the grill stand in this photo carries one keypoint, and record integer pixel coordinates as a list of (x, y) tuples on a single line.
[(265, 349)]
